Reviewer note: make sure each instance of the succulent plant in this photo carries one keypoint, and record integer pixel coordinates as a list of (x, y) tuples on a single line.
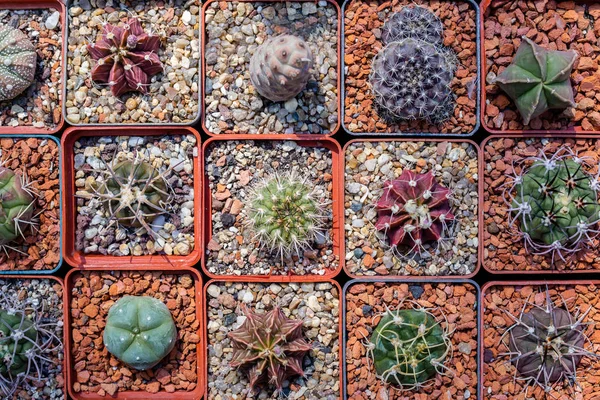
[(413, 209), (17, 337), (280, 67), (285, 213), (413, 22), (538, 79), (269, 348), (555, 201), (139, 331), (16, 206), (127, 57), (18, 59)]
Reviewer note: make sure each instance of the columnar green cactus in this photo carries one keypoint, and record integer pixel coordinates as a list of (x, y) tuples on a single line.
[(139, 331), (18, 337), (538, 79), (18, 59), (280, 67), (16, 206)]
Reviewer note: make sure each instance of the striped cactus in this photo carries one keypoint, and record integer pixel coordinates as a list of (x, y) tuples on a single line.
[(18, 59)]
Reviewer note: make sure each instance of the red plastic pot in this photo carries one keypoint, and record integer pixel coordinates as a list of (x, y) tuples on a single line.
[(77, 258), (479, 212), (337, 207), (293, 136), (205, 322), (137, 395), (39, 4)]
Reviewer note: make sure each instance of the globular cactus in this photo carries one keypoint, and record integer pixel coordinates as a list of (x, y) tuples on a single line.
[(414, 209), (18, 59), (409, 348), (269, 348), (538, 79), (139, 331), (555, 201), (18, 336), (285, 213), (413, 22), (127, 57), (280, 67), (16, 206)]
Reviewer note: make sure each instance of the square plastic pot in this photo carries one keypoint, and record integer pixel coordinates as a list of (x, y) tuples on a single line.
[(76, 258)]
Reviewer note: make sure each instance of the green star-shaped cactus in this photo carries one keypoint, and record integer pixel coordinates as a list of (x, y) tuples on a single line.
[(538, 79)]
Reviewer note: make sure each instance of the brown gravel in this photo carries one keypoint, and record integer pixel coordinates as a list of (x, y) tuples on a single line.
[(95, 370), (38, 158), (557, 26), (498, 383), (457, 301), (363, 22), (503, 249)]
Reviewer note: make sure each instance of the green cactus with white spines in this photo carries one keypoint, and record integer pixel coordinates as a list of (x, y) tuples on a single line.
[(16, 206)]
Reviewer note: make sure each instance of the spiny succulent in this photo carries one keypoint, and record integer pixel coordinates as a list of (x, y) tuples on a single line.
[(18, 59), (285, 213), (269, 348), (139, 331), (127, 57), (280, 67), (16, 206), (413, 22), (555, 201), (538, 79), (413, 209)]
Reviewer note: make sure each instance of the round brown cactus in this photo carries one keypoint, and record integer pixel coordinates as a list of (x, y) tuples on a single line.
[(280, 67), (18, 59)]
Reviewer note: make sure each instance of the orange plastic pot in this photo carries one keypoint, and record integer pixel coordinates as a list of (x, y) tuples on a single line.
[(137, 395), (77, 258), (337, 207), (479, 213), (205, 324), (339, 71), (39, 4)]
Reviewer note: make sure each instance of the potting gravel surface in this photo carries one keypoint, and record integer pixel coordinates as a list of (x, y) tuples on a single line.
[(504, 249), (557, 26), (316, 304), (37, 159), (368, 165), (173, 95), (365, 302), (234, 30), (232, 168), (170, 155), (498, 372), (363, 23), (97, 371), (40, 105)]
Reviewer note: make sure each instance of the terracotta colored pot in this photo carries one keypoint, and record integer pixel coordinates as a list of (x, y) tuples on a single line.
[(137, 395), (40, 4), (280, 136), (77, 258), (337, 207)]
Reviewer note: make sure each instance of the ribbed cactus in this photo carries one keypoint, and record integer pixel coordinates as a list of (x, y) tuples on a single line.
[(18, 337), (413, 22), (538, 79), (269, 348), (413, 209), (18, 59), (280, 67), (139, 331), (16, 206), (127, 57), (409, 347)]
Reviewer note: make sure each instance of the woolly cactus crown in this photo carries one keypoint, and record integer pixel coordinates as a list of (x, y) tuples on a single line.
[(18, 60)]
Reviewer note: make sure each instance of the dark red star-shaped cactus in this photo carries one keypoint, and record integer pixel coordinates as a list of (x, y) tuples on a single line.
[(126, 58)]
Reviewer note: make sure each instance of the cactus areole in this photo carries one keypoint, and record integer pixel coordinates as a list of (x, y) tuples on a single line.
[(139, 331), (18, 336), (16, 206), (18, 60)]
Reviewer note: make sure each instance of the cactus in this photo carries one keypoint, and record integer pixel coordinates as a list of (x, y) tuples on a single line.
[(16, 206), (409, 347), (538, 79), (280, 67), (413, 22), (17, 337), (18, 59), (139, 331), (285, 214), (413, 209), (269, 347), (555, 202), (126, 57)]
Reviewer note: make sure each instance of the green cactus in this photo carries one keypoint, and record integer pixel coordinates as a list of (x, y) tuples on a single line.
[(409, 347), (139, 331), (18, 337), (538, 79), (16, 206), (18, 59)]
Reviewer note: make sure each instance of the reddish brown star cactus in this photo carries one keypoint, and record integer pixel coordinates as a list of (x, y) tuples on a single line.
[(270, 347), (126, 58), (413, 209)]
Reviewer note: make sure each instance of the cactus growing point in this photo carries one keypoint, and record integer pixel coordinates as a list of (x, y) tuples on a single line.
[(18, 59)]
